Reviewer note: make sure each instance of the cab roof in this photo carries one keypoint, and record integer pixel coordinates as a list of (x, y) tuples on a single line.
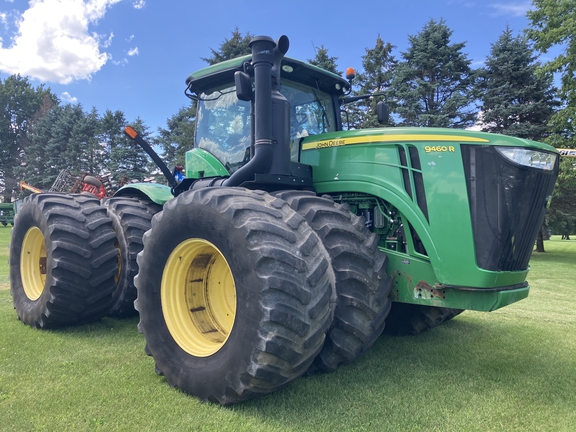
[(222, 74)]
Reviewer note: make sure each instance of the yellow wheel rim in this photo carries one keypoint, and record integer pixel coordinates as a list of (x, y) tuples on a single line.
[(198, 297), (33, 263)]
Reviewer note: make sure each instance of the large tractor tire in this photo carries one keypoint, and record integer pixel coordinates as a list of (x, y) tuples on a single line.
[(62, 260), (233, 294), (131, 218), (362, 285), (410, 319)]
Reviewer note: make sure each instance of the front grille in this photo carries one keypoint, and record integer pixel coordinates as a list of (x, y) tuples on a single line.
[(507, 205)]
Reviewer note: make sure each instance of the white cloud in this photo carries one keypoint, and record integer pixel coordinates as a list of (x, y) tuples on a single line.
[(133, 52), (514, 9), (108, 41), (53, 43), (67, 98), (3, 17), (139, 4)]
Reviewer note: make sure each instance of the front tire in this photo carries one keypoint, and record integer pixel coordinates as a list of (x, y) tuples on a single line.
[(233, 294), (362, 285), (410, 319), (62, 260)]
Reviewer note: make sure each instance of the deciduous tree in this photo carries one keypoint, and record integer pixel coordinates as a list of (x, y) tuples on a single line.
[(553, 24), (20, 106)]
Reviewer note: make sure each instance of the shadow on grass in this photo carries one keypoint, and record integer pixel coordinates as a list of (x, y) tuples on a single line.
[(102, 327)]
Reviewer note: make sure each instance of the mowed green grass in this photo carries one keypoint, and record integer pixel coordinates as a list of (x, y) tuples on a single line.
[(4, 241), (510, 370)]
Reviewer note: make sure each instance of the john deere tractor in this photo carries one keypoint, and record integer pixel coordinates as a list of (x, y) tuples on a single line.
[(290, 240)]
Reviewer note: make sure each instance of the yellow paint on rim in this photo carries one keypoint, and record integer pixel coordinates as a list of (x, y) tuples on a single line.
[(338, 142), (33, 263), (198, 297)]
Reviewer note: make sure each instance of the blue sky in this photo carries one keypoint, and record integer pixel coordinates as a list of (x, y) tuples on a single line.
[(134, 55)]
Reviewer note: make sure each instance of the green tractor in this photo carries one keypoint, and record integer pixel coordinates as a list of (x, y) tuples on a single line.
[(291, 243), (7, 213)]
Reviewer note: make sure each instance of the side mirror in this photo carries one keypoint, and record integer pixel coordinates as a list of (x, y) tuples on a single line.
[(382, 112), (243, 86)]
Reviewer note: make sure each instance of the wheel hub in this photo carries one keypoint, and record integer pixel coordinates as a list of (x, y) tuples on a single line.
[(33, 263), (198, 297)]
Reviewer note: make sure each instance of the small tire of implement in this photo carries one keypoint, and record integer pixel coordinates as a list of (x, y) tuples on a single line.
[(233, 294), (131, 218), (362, 285), (410, 319), (62, 260)]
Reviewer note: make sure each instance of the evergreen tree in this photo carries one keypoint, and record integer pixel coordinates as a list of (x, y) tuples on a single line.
[(128, 161), (62, 151), (35, 168), (112, 126), (433, 84), (514, 100), (92, 154), (325, 61), (178, 138), (236, 46), (378, 71)]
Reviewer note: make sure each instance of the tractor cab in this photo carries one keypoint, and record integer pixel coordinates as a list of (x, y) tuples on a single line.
[(223, 128)]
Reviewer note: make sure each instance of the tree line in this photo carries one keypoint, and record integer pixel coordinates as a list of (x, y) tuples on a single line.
[(431, 84), (39, 137)]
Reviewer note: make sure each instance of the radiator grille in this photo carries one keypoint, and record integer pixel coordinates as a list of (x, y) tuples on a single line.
[(507, 205)]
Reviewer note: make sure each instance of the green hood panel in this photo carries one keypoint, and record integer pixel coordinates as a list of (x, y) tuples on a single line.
[(369, 162)]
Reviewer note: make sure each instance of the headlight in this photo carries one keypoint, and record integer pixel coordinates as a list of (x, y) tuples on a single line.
[(528, 157)]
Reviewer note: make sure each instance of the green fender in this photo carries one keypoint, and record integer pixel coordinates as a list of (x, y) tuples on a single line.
[(155, 192)]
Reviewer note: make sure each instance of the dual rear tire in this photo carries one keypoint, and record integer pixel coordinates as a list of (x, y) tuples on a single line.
[(131, 218), (62, 260)]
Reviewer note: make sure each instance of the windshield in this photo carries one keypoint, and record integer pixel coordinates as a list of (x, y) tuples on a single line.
[(223, 121)]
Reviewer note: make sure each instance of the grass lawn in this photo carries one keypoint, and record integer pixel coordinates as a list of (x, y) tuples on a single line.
[(509, 370), (4, 240)]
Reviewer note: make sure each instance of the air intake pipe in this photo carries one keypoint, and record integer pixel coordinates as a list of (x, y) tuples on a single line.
[(271, 113)]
